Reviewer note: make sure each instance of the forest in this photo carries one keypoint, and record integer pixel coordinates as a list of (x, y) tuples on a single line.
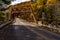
[(47, 11)]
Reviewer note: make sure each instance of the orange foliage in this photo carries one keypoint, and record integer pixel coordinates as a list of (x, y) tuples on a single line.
[(22, 7)]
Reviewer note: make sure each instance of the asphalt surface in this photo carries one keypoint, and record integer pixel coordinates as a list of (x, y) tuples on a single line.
[(26, 32), (18, 32)]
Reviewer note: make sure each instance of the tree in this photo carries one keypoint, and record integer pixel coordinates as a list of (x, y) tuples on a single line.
[(4, 3), (46, 6), (38, 7)]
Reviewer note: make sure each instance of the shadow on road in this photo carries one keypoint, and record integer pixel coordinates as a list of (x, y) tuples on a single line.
[(18, 32)]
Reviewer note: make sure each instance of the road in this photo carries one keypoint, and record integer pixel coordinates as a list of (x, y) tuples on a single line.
[(22, 30)]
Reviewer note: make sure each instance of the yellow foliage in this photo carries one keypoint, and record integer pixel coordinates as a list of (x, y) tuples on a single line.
[(39, 2), (51, 1), (39, 7)]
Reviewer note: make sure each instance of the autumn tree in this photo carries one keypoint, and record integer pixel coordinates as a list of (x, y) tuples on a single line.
[(38, 7), (46, 6)]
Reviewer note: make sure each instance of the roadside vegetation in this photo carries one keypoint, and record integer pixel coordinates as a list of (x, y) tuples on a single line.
[(47, 11), (3, 6), (3, 17)]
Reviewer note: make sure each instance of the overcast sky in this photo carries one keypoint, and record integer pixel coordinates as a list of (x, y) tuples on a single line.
[(18, 1)]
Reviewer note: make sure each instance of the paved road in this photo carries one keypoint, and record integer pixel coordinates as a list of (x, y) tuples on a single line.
[(22, 30)]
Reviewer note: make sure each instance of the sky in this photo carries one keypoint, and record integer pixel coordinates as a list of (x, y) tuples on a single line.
[(18, 1)]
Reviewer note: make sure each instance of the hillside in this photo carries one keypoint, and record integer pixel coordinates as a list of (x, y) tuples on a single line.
[(22, 10), (26, 10)]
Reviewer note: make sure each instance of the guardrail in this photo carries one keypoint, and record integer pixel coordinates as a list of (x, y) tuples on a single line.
[(4, 24), (50, 26)]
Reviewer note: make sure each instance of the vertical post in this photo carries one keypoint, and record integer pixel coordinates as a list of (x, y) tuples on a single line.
[(43, 15), (34, 16), (33, 13), (9, 16)]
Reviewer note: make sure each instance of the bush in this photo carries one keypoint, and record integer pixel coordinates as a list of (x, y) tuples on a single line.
[(3, 18)]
